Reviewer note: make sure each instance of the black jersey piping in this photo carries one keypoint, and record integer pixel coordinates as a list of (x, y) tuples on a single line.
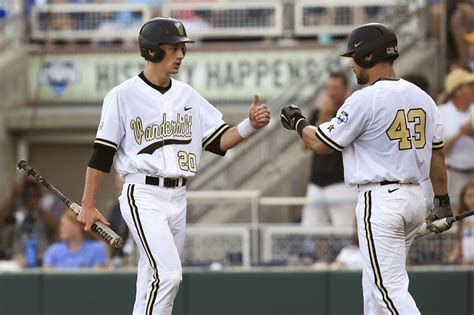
[(385, 79), (160, 89)]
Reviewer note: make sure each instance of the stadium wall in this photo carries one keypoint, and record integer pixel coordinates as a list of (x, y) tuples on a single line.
[(228, 293), (13, 95)]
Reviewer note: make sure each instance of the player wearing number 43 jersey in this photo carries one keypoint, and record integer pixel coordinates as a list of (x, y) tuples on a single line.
[(156, 127), (390, 136)]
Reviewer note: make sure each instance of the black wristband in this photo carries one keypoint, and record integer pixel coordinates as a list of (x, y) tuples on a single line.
[(300, 125), (441, 200)]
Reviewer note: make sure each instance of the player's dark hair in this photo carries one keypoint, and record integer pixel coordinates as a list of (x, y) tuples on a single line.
[(462, 204), (340, 76)]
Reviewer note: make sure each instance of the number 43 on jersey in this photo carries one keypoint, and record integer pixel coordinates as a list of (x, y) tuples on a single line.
[(399, 131)]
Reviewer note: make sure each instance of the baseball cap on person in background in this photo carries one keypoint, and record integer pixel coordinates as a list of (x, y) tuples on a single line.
[(469, 37), (456, 79)]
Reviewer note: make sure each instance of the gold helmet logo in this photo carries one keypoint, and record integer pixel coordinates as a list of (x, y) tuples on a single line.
[(180, 28)]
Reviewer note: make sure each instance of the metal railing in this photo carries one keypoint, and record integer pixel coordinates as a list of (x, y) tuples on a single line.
[(229, 19), (339, 17), (88, 21), (211, 20)]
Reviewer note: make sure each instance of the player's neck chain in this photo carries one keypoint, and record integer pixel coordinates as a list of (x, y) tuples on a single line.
[(180, 128)]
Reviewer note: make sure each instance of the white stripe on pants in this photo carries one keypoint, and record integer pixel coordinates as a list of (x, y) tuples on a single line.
[(156, 218), (387, 224)]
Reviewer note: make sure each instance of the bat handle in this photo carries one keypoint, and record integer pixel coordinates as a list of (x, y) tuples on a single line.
[(440, 223), (423, 230)]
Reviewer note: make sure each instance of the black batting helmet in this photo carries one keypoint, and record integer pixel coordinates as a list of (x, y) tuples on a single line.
[(160, 30), (372, 38)]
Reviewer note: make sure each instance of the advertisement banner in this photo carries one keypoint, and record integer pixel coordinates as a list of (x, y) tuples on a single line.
[(218, 76)]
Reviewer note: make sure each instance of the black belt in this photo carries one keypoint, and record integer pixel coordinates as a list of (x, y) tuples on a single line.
[(165, 181), (383, 183), (388, 182)]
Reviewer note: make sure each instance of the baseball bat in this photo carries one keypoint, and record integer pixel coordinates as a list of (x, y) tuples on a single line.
[(442, 223), (102, 230)]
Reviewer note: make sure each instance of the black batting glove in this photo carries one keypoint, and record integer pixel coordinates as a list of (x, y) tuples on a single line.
[(292, 118), (441, 209)]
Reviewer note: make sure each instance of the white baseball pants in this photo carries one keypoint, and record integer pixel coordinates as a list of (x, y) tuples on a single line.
[(388, 218), (156, 217)]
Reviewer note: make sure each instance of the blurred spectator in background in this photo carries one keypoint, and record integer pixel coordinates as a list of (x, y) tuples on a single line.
[(469, 39), (349, 257), (463, 252), (74, 251), (443, 96), (462, 22), (8, 222), (118, 224), (330, 201), (457, 118), (436, 9), (28, 222)]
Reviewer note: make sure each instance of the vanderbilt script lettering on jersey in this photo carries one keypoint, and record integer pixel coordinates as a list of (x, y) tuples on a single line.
[(179, 128)]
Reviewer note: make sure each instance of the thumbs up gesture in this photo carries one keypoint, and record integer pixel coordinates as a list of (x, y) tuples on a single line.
[(259, 114)]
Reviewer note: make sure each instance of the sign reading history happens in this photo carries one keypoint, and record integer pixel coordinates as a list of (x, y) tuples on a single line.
[(218, 76)]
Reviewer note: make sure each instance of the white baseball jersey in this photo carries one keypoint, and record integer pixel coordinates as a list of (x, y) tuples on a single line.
[(157, 134), (386, 131), (460, 155)]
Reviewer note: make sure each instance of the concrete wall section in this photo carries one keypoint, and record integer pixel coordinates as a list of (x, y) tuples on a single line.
[(13, 95)]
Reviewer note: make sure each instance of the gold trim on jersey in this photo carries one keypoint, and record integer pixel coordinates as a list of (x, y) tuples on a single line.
[(155, 285), (179, 128), (326, 140), (438, 145), (216, 133), (373, 255), (106, 143)]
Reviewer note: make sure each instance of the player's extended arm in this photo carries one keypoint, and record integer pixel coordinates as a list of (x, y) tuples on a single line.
[(292, 119), (89, 214), (259, 117)]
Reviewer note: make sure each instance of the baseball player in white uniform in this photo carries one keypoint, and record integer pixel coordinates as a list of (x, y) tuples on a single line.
[(156, 127), (390, 136)]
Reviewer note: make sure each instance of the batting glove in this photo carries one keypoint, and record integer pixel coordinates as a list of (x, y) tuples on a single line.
[(441, 209), (292, 118)]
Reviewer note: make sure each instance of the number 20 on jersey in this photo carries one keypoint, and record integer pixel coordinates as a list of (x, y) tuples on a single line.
[(187, 161)]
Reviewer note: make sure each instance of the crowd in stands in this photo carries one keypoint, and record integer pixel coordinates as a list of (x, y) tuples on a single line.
[(37, 231)]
